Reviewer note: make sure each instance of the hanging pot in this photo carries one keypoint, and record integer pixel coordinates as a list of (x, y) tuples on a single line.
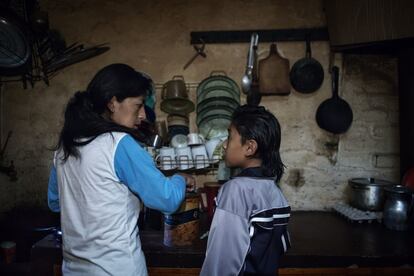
[(334, 114), (306, 75)]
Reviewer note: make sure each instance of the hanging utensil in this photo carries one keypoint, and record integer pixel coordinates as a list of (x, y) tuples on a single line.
[(274, 74), (248, 76), (334, 114), (306, 75), (254, 96), (199, 52)]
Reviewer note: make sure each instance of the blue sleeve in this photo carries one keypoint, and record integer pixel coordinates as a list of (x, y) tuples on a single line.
[(53, 192), (136, 169)]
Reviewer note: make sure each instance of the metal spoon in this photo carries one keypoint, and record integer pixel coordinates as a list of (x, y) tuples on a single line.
[(246, 83), (247, 77)]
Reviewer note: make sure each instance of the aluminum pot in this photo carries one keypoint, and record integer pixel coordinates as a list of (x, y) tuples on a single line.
[(368, 193)]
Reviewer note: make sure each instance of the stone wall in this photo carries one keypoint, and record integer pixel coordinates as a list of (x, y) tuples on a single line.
[(154, 37)]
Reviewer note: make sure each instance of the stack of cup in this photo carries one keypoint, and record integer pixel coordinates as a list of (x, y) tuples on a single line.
[(198, 150)]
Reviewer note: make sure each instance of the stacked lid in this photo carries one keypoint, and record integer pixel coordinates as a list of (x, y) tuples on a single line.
[(217, 97), (175, 97), (176, 103)]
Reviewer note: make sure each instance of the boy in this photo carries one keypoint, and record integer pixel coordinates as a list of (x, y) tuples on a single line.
[(249, 230)]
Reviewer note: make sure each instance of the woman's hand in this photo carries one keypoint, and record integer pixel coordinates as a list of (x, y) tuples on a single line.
[(189, 181)]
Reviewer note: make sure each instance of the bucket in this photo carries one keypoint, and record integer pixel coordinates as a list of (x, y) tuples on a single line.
[(182, 227)]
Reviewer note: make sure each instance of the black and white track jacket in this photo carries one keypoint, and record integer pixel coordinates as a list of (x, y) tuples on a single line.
[(248, 233)]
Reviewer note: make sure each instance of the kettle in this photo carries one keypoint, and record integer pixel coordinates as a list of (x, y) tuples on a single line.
[(398, 209)]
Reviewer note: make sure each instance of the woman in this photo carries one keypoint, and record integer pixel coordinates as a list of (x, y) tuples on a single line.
[(101, 174)]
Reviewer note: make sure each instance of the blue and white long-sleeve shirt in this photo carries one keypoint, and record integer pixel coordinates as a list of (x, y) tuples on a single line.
[(98, 196)]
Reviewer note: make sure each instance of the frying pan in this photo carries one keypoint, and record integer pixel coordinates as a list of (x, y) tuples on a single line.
[(334, 114), (306, 75)]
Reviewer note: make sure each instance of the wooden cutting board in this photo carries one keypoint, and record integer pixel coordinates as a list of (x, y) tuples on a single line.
[(274, 74)]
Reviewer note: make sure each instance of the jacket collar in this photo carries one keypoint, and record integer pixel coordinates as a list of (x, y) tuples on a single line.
[(251, 172)]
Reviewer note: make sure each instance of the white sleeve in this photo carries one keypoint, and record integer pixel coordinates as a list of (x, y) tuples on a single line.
[(227, 246)]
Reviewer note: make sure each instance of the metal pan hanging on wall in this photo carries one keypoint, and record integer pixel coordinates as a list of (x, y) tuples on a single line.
[(306, 75), (334, 114), (15, 45)]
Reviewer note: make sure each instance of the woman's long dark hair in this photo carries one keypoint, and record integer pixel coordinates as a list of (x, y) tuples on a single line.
[(256, 123), (84, 119)]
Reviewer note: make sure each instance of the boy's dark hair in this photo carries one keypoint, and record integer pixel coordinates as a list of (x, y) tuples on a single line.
[(83, 114), (256, 123)]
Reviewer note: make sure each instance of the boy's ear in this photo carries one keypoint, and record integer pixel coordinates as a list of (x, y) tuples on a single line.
[(251, 147)]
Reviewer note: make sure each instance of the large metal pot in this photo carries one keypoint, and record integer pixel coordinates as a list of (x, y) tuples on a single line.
[(368, 193)]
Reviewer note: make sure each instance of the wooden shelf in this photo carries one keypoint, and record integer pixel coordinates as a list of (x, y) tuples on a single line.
[(242, 36)]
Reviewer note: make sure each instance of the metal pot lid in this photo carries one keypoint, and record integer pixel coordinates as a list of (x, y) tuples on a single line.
[(369, 182)]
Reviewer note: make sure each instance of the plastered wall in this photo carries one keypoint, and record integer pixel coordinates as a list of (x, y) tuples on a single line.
[(154, 37)]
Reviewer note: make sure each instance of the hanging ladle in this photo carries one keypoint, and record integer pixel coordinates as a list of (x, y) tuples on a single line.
[(246, 82)]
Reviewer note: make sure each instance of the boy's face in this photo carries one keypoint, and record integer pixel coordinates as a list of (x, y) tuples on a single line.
[(234, 151)]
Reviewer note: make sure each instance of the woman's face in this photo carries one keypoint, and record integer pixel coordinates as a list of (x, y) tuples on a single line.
[(129, 112)]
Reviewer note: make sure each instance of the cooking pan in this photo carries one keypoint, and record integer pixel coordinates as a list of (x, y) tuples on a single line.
[(334, 114), (306, 75)]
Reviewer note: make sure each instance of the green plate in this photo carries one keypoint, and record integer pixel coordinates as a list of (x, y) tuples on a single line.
[(217, 102), (214, 126), (221, 81), (218, 91), (213, 110)]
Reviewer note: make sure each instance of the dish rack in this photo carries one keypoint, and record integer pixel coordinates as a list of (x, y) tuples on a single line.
[(357, 215), (200, 165)]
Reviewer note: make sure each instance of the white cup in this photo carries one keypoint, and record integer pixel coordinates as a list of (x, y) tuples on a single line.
[(184, 158), (200, 156), (179, 141), (166, 158), (194, 139), (213, 147)]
